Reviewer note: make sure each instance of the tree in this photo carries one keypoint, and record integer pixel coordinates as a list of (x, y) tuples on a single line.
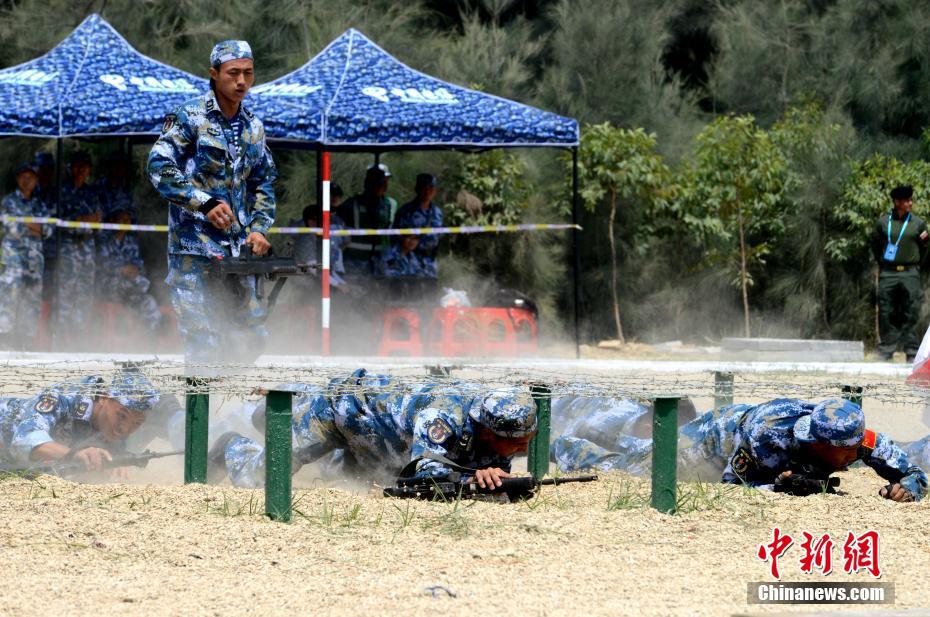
[(817, 146), (734, 192), (619, 165)]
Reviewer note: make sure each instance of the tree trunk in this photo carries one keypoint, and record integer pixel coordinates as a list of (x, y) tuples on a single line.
[(613, 266), (743, 274)]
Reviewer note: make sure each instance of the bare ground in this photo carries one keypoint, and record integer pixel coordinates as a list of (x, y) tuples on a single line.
[(583, 549)]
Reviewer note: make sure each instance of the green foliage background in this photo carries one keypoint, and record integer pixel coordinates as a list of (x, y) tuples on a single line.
[(836, 91)]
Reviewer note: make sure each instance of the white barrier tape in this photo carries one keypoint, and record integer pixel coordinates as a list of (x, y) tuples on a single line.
[(411, 231)]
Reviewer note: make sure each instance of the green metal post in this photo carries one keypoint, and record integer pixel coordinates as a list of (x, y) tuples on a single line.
[(537, 462), (853, 394), (665, 454), (196, 432), (278, 456), (723, 389)]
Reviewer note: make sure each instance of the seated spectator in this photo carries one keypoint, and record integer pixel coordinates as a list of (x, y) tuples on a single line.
[(23, 262), (121, 272), (401, 260), (114, 190), (371, 209), (422, 212)]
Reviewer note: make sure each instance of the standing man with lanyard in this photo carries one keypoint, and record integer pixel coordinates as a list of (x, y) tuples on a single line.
[(212, 165), (899, 243)]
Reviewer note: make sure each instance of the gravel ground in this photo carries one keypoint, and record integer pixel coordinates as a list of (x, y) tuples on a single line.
[(119, 549)]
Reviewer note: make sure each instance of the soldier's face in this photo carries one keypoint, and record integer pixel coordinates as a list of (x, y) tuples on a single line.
[(234, 78), (504, 446), (410, 243), (114, 421), (903, 205), (80, 172), (832, 457), (26, 182)]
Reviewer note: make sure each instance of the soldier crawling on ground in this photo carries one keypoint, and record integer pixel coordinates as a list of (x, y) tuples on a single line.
[(758, 445), (385, 427)]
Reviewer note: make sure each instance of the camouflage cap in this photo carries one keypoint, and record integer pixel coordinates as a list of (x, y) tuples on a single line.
[(23, 167), (224, 51), (134, 391), (836, 422), (507, 412)]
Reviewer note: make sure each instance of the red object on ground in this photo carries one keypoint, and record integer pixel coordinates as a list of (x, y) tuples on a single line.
[(454, 331), (400, 333)]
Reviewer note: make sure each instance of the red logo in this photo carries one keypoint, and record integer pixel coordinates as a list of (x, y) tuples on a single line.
[(775, 549), (859, 552)]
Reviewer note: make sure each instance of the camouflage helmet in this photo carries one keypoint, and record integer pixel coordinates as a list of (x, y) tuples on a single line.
[(835, 422), (133, 390), (507, 412), (226, 51)]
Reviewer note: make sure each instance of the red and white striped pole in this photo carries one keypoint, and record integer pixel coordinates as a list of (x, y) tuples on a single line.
[(324, 337)]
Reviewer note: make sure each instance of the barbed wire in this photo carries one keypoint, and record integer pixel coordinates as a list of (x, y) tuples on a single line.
[(27, 377)]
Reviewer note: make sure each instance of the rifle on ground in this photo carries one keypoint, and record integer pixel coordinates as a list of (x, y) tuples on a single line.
[(70, 467), (452, 487), (270, 268), (806, 480)]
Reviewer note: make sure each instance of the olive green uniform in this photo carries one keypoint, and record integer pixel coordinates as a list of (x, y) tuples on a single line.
[(899, 287)]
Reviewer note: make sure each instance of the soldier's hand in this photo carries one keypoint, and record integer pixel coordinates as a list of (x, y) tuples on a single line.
[(221, 216), (92, 458), (783, 476), (35, 229), (490, 477), (895, 492), (260, 244)]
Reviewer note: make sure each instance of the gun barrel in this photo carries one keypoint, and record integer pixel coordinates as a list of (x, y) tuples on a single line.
[(551, 481)]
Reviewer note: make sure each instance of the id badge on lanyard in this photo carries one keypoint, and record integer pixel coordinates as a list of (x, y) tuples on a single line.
[(891, 250)]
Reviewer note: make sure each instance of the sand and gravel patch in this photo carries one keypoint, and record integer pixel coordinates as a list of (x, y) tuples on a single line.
[(584, 549)]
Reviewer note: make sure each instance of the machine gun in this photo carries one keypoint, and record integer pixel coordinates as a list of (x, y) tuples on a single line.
[(70, 467), (268, 268), (452, 487), (807, 480)]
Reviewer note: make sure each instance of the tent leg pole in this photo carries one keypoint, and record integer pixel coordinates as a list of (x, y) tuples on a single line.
[(324, 331), (576, 255)]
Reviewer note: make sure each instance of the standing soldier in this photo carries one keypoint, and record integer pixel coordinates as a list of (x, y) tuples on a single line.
[(422, 212), (23, 262), (77, 253), (212, 165), (115, 194), (370, 209), (899, 243)]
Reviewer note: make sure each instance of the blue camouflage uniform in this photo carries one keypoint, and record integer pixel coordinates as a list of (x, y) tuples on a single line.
[(382, 425), (395, 263), (23, 267), (114, 286), (62, 413), (114, 198), (749, 444), (412, 216), (76, 269), (197, 161)]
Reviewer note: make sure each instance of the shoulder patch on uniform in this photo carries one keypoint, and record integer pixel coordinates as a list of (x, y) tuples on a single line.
[(209, 105), (742, 462), (80, 409), (47, 403), (439, 431), (247, 112), (170, 121)]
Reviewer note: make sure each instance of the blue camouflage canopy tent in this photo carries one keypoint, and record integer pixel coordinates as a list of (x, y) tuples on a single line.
[(92, 84), (353, 95)]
